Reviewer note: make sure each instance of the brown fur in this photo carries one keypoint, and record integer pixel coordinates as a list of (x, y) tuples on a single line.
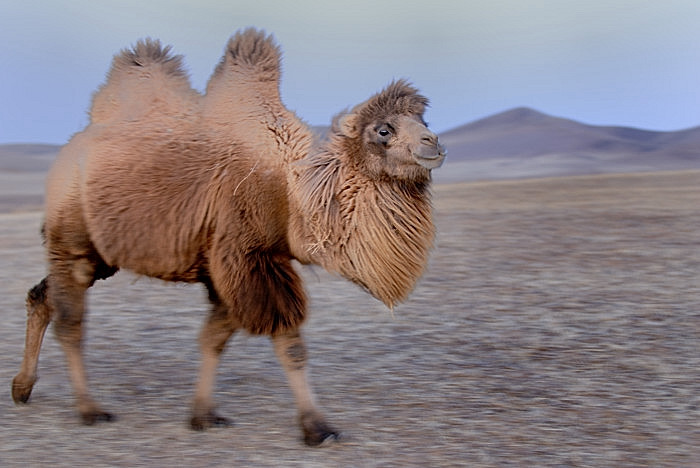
[(371, 228), (366, 230), (227, 189), (144, 82)]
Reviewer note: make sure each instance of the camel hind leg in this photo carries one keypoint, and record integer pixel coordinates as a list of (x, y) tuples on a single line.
[(38, 318), (69, 280), (39, 315)]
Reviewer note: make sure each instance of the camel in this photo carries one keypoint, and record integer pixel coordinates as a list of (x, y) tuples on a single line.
[(226, 188)]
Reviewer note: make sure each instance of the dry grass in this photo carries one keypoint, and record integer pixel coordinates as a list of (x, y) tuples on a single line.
[(558, 325)]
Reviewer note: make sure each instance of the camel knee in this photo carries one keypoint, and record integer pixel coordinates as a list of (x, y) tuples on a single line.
[(291, 350), (213, 342), (215, 334), (295, 354), (68, 321), (66, 296), (68, 331)]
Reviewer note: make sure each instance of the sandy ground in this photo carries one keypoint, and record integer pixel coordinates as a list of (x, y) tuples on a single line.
[(558, 325)]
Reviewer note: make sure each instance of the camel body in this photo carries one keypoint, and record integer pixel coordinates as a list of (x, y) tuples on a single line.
[(226, 189)]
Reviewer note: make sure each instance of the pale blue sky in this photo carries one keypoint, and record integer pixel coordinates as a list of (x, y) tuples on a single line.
[(621, 62)]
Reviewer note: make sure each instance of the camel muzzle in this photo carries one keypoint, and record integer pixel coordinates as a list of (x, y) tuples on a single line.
[(431, 154)]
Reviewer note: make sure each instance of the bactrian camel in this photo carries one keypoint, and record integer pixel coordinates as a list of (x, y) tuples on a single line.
[(226, 188)]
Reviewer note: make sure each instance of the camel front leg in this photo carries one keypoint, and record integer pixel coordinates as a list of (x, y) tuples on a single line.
[(38, 319), (291, 352), (212, 340)]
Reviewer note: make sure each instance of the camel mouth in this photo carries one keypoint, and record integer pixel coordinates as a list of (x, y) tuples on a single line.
[(430, 161)]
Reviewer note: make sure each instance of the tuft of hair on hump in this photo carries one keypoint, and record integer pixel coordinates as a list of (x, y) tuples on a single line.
[(253, 53), (148, 52), (144, 79)]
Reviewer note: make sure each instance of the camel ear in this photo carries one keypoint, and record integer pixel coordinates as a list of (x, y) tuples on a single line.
[(349, 125)]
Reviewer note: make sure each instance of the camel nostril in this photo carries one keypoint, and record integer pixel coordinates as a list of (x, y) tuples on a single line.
[(429, 139)]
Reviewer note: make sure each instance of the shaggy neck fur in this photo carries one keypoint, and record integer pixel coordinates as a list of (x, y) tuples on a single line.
[(377, 233)]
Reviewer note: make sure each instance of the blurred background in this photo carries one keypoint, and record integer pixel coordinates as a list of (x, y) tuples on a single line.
[(625, 62)]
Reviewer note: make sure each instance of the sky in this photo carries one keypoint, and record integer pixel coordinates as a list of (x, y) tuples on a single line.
[(603, 62)]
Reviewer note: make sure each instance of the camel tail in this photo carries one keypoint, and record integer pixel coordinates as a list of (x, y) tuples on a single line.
[(141, 76)]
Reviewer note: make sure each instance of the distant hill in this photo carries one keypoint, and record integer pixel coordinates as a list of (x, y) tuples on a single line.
[(523, 142)]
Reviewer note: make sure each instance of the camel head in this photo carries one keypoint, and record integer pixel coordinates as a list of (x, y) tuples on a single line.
[(386, 135)]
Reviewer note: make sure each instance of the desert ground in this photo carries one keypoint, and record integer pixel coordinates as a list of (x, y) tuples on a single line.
[(558, 324)]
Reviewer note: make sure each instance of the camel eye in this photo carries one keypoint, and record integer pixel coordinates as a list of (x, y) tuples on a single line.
[(384, 132)]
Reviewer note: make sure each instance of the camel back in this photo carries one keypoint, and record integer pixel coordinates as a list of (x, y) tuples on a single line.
[(144, 82)]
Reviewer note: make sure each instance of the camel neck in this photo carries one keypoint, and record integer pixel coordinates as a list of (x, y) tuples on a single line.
[(376, 233)]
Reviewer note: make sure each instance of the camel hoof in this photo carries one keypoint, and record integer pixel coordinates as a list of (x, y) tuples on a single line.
[(21, 390), (208, 420), (90, 418), (317, 432)]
